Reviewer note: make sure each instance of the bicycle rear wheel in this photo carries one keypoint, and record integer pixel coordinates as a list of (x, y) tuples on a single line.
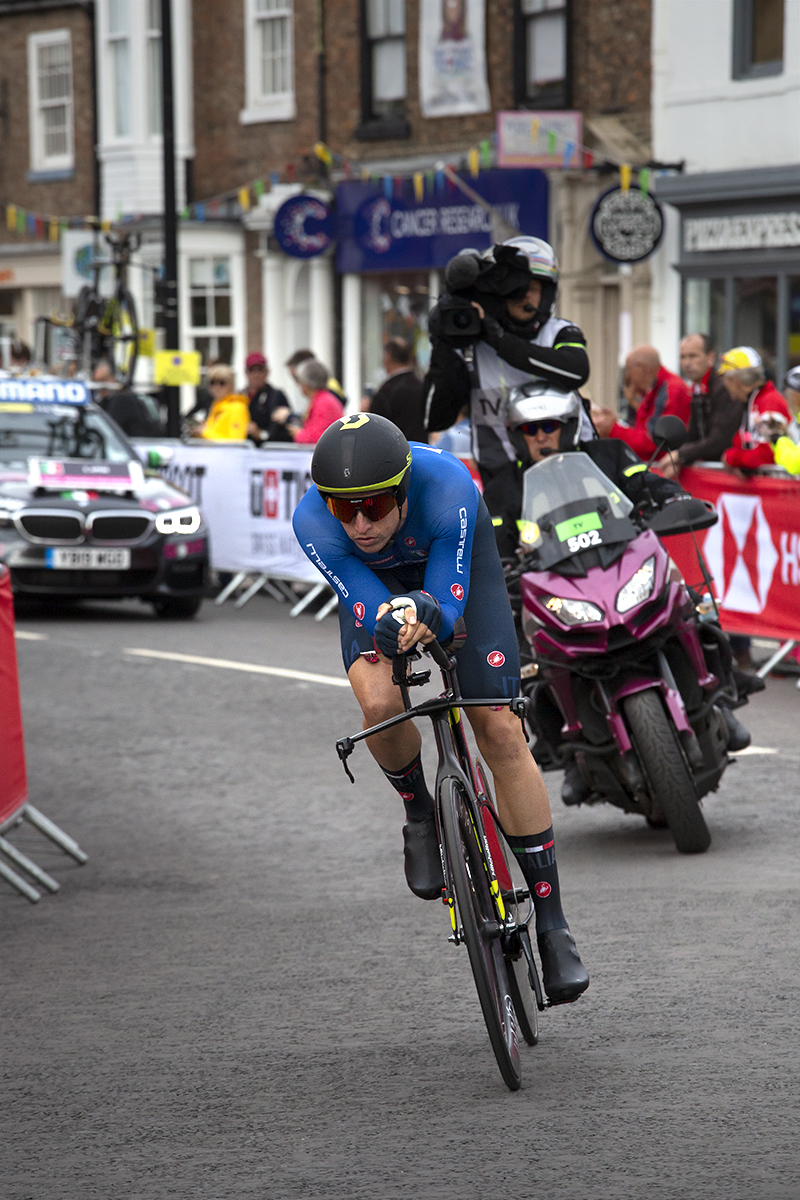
[(124, 335), (480, 928)]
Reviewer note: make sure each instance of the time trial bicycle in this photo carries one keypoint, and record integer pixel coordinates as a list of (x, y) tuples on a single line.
[(487, 912)]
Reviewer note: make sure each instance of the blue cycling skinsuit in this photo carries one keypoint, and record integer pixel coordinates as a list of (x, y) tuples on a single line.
[(445, 546)]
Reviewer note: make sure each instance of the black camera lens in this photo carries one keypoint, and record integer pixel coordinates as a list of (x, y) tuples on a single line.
[(462, 320)]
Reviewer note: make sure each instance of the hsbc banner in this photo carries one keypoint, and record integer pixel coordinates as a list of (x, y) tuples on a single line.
[(753, 552), (248, 498)]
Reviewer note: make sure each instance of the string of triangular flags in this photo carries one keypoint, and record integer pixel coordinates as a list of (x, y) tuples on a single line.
[(239, 200)]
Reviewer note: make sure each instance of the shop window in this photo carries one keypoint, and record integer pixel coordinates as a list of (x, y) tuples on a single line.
[(393, 305), (383, 70), (704, 310), (793, 357), (51, 101), (154, 86), (269, 61), (757, 38), (541, 54), (210, 308), (755, 316)]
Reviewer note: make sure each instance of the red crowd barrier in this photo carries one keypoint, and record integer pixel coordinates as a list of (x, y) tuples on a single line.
[(753, 551), (13, 779)]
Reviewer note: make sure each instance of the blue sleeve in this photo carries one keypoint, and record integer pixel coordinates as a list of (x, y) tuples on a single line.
[(453, 528), (328, 547)]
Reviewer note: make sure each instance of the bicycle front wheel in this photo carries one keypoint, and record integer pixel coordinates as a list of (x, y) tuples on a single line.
[(480, 928), (123, 330)]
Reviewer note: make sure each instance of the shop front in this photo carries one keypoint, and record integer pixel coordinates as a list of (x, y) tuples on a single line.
[(392, 248), (739, 259)]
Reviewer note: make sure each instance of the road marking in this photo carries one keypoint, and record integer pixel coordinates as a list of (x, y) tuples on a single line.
[(228, 664), (754, 750), (25, 636)]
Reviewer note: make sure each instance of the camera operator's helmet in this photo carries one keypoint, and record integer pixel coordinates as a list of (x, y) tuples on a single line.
[(361, 454), (543, 402), (543, 265), (792, 379)]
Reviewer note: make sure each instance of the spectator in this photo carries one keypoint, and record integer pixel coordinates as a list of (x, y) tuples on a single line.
[(20, 356), (323, 407), (128, 410), (787, 448), (401, 398), (264, 399), (714, 417), (301, 356), (229, 416), (662, 393), (763, 415)]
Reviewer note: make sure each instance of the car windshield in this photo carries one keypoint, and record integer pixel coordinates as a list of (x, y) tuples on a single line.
[(568, 479), (57, 431)]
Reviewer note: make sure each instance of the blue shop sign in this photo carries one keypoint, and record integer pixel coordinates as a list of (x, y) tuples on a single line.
[(399, 233), (304, 226)]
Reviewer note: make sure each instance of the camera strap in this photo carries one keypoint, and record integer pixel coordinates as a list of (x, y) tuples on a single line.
[(472, 366)]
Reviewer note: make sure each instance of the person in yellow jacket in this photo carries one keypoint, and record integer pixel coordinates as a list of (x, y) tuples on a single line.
[(229, 416), (787, 448)]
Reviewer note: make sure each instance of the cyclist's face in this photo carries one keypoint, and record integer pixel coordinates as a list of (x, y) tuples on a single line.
[(373, 536)]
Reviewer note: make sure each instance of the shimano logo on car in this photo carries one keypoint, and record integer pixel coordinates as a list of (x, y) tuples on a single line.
[(32, 390), (462, 513)]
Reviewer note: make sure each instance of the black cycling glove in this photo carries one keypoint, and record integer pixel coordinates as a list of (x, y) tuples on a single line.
[(387, 627)]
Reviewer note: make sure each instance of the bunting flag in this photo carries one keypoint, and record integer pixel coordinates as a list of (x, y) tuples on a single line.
[(552, 141), (486, 153), (388, 186), (473, 158), (258, 188), (244, 199), (11, 217), (274, 178), (323, 154), (625, 176), (644, 180), (569, 148), (419, 186), (588, 160)]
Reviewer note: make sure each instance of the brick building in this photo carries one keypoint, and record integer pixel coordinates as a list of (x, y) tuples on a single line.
[(259, 82)]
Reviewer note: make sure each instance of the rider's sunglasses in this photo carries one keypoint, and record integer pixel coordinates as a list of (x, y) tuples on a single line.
[(533, 427), (374, 508)]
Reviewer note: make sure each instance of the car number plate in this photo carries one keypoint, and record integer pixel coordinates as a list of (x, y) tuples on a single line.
[(81, 559)]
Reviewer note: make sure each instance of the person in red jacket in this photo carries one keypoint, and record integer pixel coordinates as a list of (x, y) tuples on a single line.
[(323, 407), (662, 394), (764, 412)]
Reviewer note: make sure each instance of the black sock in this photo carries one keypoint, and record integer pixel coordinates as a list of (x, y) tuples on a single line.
[(536, 856), (411, 785)]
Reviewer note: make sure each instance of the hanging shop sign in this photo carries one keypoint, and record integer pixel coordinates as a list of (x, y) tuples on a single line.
[(452, 58), (304, 226), (626, 224), (380, 232), (539, 139)]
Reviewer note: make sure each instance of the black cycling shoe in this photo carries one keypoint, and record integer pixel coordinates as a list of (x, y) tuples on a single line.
[(747, 684), (563, 974), (423, 862), (574, 789), (738, 735)]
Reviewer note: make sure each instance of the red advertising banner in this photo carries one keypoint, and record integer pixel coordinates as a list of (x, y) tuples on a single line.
[(13, 782), (753, 552)]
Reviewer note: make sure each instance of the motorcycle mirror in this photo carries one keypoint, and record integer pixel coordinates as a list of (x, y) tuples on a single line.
[(669, 433)]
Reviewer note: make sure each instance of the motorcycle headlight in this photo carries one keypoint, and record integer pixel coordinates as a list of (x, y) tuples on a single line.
[(573, 612), (639, 586), (179, 520)]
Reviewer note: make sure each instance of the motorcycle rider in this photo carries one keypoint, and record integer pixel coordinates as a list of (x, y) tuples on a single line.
[(512, 287), (543, 420)]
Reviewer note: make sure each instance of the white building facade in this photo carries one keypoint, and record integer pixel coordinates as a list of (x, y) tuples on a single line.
[(726, 101)]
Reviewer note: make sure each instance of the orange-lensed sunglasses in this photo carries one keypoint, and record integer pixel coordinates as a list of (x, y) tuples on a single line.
[(374, 508)]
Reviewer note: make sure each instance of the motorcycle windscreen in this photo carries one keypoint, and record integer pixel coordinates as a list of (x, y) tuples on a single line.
[(569, 506)]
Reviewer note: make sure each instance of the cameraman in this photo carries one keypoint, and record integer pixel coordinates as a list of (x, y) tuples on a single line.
[(492, 331)]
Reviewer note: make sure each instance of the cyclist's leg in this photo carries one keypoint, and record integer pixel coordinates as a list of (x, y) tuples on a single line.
[(488, 665)]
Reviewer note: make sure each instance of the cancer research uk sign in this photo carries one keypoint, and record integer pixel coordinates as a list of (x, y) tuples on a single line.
[(378, 233)]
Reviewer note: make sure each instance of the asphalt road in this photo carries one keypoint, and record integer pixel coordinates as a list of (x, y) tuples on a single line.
[(238, 997)]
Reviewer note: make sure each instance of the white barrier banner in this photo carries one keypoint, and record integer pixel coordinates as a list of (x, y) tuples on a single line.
[(247, 497)]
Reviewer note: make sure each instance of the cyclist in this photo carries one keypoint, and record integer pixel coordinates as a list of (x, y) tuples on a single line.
[(550, 421), (513, 286), (384, 520)]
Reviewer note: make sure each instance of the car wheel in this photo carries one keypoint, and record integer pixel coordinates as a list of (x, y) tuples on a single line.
[(177, 607)]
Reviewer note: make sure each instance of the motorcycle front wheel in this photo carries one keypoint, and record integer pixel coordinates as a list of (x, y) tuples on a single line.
[(666, 771)]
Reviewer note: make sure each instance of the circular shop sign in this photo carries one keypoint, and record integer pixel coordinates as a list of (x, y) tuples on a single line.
[(626, 226), (303, 226)]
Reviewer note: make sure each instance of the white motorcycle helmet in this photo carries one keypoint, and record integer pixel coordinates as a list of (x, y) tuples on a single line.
[(543, 265), (539, 401)]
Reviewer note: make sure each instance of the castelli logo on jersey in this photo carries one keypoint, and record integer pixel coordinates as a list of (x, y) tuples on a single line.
[(495, 659), (359, 610), (543, 889), (407, 796), (411, 541), (457, 591)]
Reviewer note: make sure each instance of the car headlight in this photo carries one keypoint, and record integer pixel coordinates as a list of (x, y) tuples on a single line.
[(179, 520), (639, 586), (573, 612)]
